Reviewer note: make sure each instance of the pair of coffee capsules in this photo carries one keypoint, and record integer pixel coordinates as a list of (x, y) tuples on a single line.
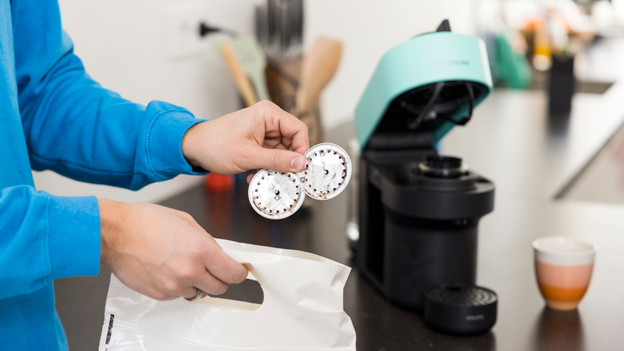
[(277, 195)]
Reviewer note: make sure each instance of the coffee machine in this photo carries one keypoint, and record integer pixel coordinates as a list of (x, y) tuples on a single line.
[(418, 210)]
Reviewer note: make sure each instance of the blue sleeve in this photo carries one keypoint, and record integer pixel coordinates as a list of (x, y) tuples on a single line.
[(79, 129), (45, 237)]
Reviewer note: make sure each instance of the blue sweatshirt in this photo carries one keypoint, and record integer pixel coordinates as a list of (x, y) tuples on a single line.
[(53, 116)]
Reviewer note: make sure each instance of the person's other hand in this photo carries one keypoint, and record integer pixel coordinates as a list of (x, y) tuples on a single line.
[(260, 136), (163, 253)]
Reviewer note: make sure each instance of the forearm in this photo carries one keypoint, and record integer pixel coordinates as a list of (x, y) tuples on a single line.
[(83, 131), (45, 237), (112, 220)]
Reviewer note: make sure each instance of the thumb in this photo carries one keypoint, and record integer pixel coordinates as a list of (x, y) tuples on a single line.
[(279, 160)]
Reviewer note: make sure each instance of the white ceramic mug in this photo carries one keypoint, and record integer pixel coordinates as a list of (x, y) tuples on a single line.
[(563, 268)]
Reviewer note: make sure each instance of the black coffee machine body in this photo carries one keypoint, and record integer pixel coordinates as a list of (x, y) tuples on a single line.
[(418, 211)]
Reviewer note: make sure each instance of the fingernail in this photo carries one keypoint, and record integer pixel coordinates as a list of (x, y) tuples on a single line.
[(297, 163)]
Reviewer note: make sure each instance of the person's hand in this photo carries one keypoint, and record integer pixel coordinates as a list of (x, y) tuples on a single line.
[(163, 253), (260, 136)]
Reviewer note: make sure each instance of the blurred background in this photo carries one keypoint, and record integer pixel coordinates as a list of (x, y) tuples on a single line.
[(217, 56), (149, 50)]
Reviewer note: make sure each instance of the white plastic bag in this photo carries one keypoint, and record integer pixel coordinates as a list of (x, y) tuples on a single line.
[(302, 310)]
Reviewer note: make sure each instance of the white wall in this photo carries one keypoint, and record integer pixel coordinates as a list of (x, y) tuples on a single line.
[(123, 46)]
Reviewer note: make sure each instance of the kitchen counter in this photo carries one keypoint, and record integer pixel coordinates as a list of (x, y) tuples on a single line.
[(528, 153), (505, 265), (531, 157)]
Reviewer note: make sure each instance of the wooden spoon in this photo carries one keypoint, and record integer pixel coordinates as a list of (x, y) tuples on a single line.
[(237, 71), (319, 66)]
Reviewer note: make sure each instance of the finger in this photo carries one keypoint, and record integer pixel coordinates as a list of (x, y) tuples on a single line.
[(191, 292), (296, 132), (250, 175), (227, 270), (278, 160), (224, 267), (290, 127), (277, 144), (216, 261), (211, 285)]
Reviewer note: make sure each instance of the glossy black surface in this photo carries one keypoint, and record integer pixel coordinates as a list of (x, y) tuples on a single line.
[(505, 265), (530, 156)]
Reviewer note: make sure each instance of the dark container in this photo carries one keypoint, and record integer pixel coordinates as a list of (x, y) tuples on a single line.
[(418, 222), (561, 84)]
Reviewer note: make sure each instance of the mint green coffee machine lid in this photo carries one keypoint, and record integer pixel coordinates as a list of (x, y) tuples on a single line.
[(421, 89)]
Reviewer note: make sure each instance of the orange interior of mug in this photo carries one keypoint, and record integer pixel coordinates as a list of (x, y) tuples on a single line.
[(563, 286)]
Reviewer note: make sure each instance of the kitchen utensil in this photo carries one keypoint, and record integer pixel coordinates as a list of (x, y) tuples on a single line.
[(237, 72), (253, 62), (319, 66), (279, 28)]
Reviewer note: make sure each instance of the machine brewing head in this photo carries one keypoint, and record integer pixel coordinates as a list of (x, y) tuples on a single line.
[(442, 167)]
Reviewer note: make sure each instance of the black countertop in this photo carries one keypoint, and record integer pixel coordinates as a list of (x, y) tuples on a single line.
[(505, 265), (528, 153), (531, 157)]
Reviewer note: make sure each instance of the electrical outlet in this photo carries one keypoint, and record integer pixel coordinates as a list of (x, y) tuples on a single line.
[(182, 31)]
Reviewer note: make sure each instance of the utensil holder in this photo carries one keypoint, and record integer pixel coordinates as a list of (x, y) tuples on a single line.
[(283, 80)]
